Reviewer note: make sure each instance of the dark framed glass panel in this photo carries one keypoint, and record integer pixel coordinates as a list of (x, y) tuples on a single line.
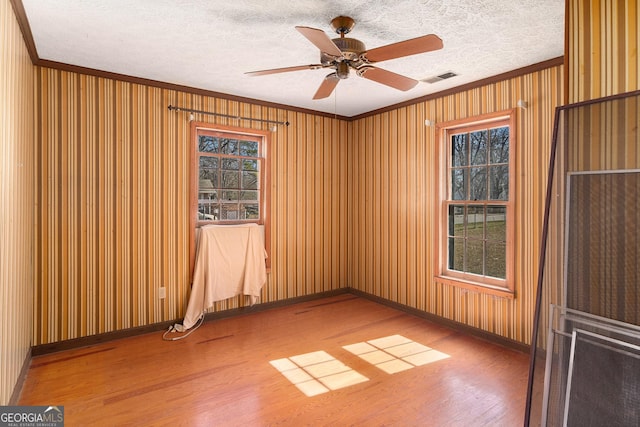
[(496, 259), (478, 185), (499, 182), (249, 149), (459, 183), (474, 257), (208, 144), (499, 151), (478, 147), (460, 150)]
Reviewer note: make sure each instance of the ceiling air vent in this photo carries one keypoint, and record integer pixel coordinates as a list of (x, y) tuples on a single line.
[(441, 77)]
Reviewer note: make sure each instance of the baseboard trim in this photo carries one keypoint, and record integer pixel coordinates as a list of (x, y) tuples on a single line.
[(162, 326), (74, 343), (71, 344), (451, 324), (17, 389)]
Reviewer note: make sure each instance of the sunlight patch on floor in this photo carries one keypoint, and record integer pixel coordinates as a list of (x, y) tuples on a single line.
[(395, 353), (317, 372)]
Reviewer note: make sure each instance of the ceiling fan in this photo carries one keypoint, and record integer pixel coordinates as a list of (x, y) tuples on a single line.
[(343, 54)]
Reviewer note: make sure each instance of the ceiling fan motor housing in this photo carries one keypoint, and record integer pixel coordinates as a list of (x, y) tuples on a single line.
[(351, 50)]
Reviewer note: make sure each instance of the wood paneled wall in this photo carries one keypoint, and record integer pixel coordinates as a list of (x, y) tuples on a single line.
[(113, 207), (602, 48), (352, 203), (16, 201), (393, 202)]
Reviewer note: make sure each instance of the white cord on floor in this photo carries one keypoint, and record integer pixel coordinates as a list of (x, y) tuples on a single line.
[(174, 328)]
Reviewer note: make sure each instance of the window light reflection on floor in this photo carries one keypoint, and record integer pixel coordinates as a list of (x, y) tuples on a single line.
[(395, 353), (317, 372)]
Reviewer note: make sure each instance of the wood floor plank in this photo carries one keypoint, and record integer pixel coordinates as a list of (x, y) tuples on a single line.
[(221, 375)]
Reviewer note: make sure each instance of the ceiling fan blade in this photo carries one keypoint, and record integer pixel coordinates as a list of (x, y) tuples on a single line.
[(388, 78), (405, 48), (285, 69), (327, 86), (321, 40)]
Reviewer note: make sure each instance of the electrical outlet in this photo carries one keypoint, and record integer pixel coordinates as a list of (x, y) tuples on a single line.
[(162, 292)]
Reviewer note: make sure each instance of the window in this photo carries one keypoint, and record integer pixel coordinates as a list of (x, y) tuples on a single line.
[(477, 205), (229, 178)]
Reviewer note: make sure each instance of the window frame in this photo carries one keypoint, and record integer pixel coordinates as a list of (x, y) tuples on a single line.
[(469, 281), (263, 138)]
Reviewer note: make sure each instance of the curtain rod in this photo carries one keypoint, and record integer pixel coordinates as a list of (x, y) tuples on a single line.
[(190, 110)]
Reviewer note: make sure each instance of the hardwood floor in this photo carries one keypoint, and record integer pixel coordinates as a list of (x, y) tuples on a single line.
[(221, 375)]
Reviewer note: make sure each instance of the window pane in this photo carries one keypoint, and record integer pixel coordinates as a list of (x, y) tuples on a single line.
[(456, 220), (229, 196), (207, 211), (250, 165), (230, 164), (499, 182), (206, 190), (208, 163), (478, 168), (208, 174), (497, 260), (250, 180), (478, 190), (500, 145), (230, 179), (459, 150), (208, 144), (475, 222), (206, 180), (459, 179), (248, 195), (497, 223), (229, 212), (474, 259), (229, 146), (456, 254), (249, 148), (478, 147), (251, 211)]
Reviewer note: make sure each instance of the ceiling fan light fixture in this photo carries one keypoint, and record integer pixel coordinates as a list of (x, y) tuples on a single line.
[(342, 70)]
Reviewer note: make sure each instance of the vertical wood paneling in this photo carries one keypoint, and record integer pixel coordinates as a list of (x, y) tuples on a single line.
[(352, 203), (17, 189), (114, 204), (603, 38), (396, 202)]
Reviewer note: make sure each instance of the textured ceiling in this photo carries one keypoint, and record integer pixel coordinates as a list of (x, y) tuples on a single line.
[(209, 44)]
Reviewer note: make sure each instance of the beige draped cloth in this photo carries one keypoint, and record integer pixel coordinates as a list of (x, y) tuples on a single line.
[(230, 261)]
